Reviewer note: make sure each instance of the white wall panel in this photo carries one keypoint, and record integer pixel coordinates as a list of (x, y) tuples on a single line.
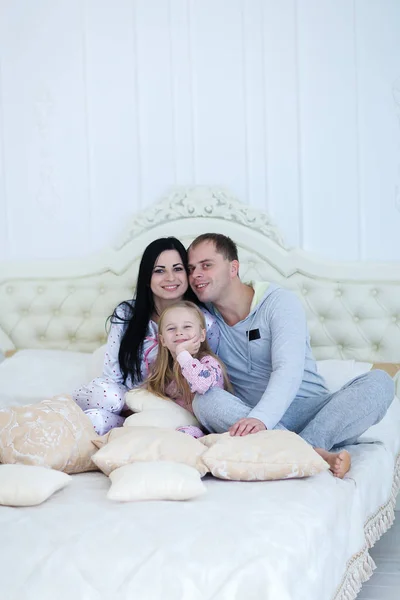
[(112, 116), (293, 105), (216, 33), (256, 166), (328, 128), (44, 133), (281, 107), (378, 43), (182, 92), (155, 97), (4, 243)]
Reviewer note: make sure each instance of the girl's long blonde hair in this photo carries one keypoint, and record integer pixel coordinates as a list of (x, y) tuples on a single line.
[(165, 369)]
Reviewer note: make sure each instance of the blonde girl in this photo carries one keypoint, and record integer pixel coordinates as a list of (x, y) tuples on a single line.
[(185, 364)]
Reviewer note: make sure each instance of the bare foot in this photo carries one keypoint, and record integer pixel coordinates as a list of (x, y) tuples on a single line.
[(339, 462)]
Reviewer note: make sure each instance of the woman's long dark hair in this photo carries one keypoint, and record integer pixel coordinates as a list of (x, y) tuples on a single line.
[(137, 313)]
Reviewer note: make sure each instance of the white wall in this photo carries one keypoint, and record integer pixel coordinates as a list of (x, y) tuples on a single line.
[(293, 105)]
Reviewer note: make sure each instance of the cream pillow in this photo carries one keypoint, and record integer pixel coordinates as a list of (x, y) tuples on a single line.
[(113, 434), (161, 480), (147, 444), (151, 410), (155, 418), (53, 433), (23, 485), (262, 456)]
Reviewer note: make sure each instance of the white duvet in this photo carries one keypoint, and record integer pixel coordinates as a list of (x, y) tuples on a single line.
[(283, 540)]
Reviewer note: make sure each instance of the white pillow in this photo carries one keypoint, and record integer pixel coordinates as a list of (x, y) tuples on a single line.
[(152, 411), (338, 372), (29, 376), (96, 363), (26, 485), (161, 480), (387, 430)]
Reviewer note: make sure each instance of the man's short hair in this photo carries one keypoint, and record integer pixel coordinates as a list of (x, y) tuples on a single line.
[(223, 244)]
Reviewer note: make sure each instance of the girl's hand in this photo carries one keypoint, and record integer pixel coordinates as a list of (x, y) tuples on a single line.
[(192, 346)]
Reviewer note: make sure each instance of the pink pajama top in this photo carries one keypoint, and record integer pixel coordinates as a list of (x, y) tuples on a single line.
[(201, 376)]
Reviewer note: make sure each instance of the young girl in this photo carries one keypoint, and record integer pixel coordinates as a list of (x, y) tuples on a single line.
[(185, 364)]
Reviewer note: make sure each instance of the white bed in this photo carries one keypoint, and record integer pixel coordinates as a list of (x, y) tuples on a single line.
[(287, 540)]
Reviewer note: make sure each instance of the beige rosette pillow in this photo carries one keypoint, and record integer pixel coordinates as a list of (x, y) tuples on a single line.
[(260, 456), (53, 433)]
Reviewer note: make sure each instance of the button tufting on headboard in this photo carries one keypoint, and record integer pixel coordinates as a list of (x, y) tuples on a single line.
[(352, 310)]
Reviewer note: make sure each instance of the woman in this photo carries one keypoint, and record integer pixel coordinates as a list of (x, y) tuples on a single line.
[(133, 338)]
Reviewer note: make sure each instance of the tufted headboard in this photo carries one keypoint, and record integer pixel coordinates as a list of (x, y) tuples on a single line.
[(353, 309)]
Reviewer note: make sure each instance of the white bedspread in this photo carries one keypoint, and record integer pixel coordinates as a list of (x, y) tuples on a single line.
[(284, 540)]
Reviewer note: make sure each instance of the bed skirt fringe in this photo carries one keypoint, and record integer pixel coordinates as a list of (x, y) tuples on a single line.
[(379, 524), (384, 517), (396, 479), (361, 566), (359, 570)]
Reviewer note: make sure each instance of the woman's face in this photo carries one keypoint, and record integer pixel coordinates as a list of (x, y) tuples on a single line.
[(169, 280)]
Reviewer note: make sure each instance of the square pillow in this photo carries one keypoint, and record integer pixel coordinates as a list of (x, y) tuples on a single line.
[(392, 369), (161, 480), (22, 485), (260, 456), (152, 411), (148, 444), (338, 372), (31, 375), (96, 363), (53, 433)]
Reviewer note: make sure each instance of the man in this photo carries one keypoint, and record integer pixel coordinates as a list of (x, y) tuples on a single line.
[(265, 346)]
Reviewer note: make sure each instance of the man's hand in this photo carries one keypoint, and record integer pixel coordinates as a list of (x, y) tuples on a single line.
[(192, 346), (246, 426)]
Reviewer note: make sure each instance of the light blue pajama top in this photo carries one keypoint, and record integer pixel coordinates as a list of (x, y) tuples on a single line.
[(276, 365)]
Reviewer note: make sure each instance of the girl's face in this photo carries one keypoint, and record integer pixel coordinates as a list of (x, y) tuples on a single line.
[(180, 325), (169, 280)]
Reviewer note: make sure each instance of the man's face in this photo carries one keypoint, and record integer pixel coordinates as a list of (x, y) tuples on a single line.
[(210, 274)]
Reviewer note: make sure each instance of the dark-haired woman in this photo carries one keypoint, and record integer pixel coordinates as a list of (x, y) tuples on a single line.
[(133, 338)]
